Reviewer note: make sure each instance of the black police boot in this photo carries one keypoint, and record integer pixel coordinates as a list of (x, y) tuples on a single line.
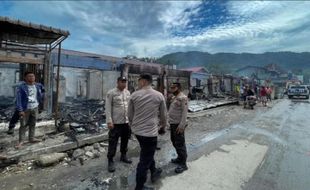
[(156, 174), (147, 188), (180, 168), (111, 167), (175, 160), (10, 131), (125, 159)]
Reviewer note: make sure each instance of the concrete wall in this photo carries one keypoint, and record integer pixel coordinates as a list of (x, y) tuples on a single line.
[(202, 77), (9, 76), (85, 83), (62, 89), (109, 79), (228, 85), (75, 81), (95, 85)]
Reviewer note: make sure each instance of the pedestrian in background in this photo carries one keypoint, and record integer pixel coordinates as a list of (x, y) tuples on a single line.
[(117, 121), (269, 92), (178, 121), (145, 105), (263, 95)]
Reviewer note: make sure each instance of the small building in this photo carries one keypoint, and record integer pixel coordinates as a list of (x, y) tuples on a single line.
[(199, 81), (260, 74), (90, 76), (29, 46), (85, 75)]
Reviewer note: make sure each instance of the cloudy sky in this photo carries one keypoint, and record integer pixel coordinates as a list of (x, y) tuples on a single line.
[(155, 28)]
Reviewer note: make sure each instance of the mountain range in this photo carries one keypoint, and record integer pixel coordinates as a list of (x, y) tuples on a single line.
[(230, 62)]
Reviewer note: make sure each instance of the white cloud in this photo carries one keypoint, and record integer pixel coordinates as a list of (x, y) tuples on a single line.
[(174, 16), (261, 26), (144, 28)]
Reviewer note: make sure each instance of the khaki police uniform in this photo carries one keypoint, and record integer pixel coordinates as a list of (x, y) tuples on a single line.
[(144, 107), (116, 113), (178, 119)]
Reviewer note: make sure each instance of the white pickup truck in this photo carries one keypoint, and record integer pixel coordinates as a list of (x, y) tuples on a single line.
[(298, 91)]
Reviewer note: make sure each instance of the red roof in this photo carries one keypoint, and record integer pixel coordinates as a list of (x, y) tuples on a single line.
[(196, 69)]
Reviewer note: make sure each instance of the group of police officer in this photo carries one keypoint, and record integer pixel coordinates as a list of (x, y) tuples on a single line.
[(144, 113)]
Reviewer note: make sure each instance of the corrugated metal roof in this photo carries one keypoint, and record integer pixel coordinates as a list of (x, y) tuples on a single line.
[(71, 58), (108, 59), (196, 69), (28, 33), (78, 61), (90, 55)]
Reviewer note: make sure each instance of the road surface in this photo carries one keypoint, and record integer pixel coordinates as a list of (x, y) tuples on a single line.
[(229, 148), (270, 151)]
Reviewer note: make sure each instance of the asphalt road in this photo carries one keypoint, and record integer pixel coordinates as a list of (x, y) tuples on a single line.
[(270, 151), (287, 163)]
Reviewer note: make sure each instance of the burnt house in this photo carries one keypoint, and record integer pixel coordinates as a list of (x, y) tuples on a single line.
[(28, 46)]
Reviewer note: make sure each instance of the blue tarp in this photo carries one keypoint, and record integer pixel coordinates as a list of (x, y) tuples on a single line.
[(200, 76)]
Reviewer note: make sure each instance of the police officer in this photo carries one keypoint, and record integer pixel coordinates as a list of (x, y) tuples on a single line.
[(177, 119), (144, 107), (117, 121)]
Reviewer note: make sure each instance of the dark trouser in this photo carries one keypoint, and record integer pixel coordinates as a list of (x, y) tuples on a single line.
[(178, 141), (269, 97), (14, 120), (147, 162), (119, 130), (29, 120)]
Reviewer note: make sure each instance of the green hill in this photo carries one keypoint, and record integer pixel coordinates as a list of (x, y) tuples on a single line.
[(230, 62)]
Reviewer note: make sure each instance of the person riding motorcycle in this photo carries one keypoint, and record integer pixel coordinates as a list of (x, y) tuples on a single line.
[(249, 97)]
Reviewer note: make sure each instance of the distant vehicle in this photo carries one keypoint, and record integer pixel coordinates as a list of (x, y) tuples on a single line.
[(298, 91), (292, 83)]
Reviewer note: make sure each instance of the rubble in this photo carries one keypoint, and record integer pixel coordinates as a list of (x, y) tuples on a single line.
[(96, 146), (88, 148), (96, 154), (82, 159), (18, 167), (101, 149), (80, 155), (7, 108), (93, 111), (89, 154), (199, 105), (50, 159), (77, 153), (104, 144), (75, 121)]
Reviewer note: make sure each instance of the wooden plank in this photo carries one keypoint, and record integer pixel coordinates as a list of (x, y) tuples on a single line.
[(12, 59), (29, 154)]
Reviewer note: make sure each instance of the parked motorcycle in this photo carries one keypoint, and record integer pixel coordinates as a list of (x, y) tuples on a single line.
[(250, 102)]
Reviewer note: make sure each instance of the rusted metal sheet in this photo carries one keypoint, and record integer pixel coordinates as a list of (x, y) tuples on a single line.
[(28, 33)]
